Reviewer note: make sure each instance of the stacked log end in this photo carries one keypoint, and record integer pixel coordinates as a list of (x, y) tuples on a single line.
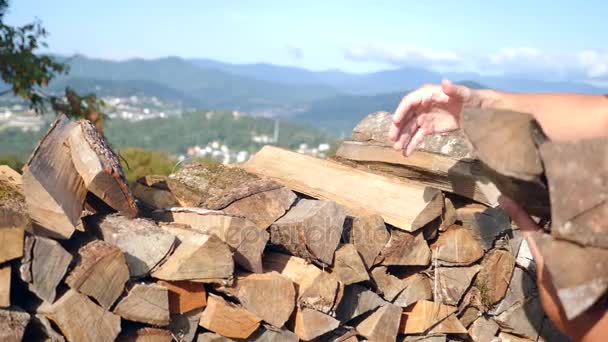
[(286, 247)]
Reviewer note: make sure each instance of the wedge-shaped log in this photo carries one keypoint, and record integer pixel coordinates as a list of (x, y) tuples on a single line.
[(154, 192), (185, 296), (452, 283), (184, 326), (5, 286), (483, 329), (12, 324), (246, 239), (270, 296), (487, 223), (348, 266), (495, 275), (423, 316), (309, 324), (389, 286), (145, 303), (382, 325), (418, 288), (450, 325), (264, 207), (401, 203), (100, 168), (212, 337), (12, 232), (310, 230), (144, 244), (54, 190), (227, 319), (274, 335), (199, 257), (101, 272), (358, 300), (43, 266), (369, 235), (12, 178), (146, 334), (79, 319), (457, 246), (405, 249)]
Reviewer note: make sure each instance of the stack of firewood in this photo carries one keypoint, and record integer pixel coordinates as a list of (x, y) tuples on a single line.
[(286, 247)]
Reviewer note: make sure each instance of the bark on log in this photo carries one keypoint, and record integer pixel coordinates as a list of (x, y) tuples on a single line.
[(227, 319), (145, 303)]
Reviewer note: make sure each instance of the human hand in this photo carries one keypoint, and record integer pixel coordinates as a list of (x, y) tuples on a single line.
[(429, 109)]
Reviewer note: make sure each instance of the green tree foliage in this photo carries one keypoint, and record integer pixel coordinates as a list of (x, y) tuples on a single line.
[(13, 161), (139, 162)]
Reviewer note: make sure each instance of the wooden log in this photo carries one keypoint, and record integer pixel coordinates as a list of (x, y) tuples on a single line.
[(450, 325), (227, 319), (146, 334), (154, 192), (348, 266), (309, 324), (523, 319), (12, 178), (246, 239), (274, 335), (5, 286), (400, 203), (461, 177), (145, 303), (198, 257), (143, 243), (185, 296), (577, 173), (101, 272), (423, 316), (44, 265), (452, 283), (269, 296), (310, 230), (45, 330), (448, 216), (183, 326), (487, 223), (457, 246), (100, 168), (12, 232), (323, 295), (211, 337), (382, 325), (522, 288), (264, 207), (418, 288), (511, 155), (359, 300), (369, 235), (405, 249), (495, 275), (53, 189), (388, 285), (483, 329), (79, 319), (13, 322)]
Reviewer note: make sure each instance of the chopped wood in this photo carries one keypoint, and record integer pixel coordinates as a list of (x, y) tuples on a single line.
[(483, 329), (388, 285), (382, 325), (418, 287), (183, 326), (198, 257), (522, 288), (468, 315), (450, 325), (424, 315), (298, 270), (400, 202), (185, 296), (5, 286), (12, 232), (452, 283), (264, 207), (310, 230), (12, 324), (578, 290), (369, 235), (405, 249), (506, 337), (100, 168), (12, 178), (101, 272), (348, 266), (211, 337), (442, 172), (457, 246), (577, 173), (309, 324), (487, 223), (79, 319), (374, 129), (144, 244), (448, 216), (270, 296), (154, 196), (324, 294), (44, 329), (523, 319), (274, 335), (495, 275), (53, 189), (44, 265), (145, 303), (227, 319), (245, 238), (146, 335), (359, 301)]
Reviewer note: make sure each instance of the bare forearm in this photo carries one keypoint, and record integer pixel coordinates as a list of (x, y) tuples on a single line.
[(562, 116)]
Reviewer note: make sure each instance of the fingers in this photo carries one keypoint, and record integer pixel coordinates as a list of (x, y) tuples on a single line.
[(404, 110), (416, 140), (518, 215), (406, 135), (454, 90)]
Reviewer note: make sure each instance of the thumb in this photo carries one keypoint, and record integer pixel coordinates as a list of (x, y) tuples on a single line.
[(518, 215), (455, 90)]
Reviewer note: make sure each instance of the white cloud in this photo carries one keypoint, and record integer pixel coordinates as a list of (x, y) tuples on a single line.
[(295, 52), (401, 55)]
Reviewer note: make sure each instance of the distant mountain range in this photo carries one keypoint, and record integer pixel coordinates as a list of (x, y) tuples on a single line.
[(332, 99)]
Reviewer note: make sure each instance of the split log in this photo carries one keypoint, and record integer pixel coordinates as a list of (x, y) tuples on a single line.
[(145, 303), (388, 285), (309, 324), (101, 272), (79, 319), (146, 335), (348, 266), (211, 337), (369, 235), (11, 178), (523, 319), (154, 192), (506, 143), (374, 128), (578, 290), (12, 324), (185, 296), (12, 232), (487, 223), (272, 335), (100, 168), (483, 329), (450, 325), (263, 208), (310, 230), (198, 257), (495, 275), (323, 295), (522, 288), (246, 239), (227, 319), (269, 296), (53, 189), (382, 325), (405, 249), (577, 173), (452, 283), (5, 286), (183, 326), (401, 203), (506, 337), (45, 330), (44, 265), (359, 300), (418, 288), (468, 315), (461, 177), (448, 216), (144, 244), (457, 246), (424, 315)]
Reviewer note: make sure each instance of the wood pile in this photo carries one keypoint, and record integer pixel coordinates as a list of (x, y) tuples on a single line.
[(286, 247)]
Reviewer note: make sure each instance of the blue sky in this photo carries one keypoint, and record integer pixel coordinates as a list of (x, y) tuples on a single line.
[(565, 38)]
